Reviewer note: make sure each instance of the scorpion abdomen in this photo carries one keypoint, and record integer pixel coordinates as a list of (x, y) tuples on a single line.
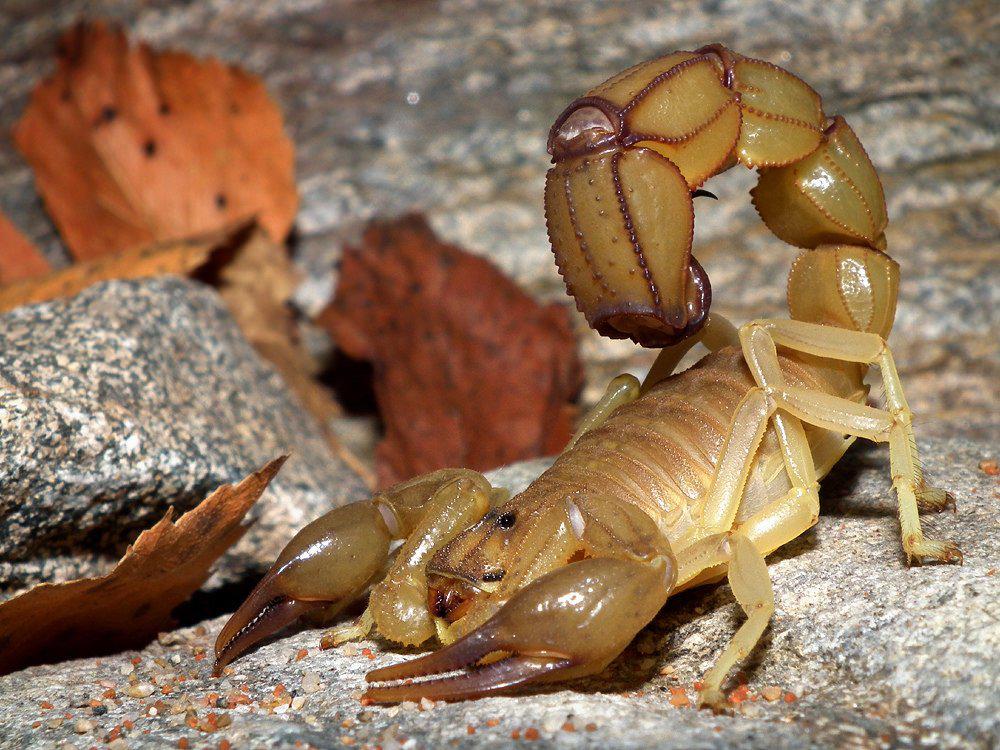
[(661, 452)]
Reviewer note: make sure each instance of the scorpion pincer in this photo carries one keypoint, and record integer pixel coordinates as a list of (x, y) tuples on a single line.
[(681, 480)]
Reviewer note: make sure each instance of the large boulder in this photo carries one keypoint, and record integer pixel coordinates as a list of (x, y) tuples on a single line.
[(132, 397), (862, 652)]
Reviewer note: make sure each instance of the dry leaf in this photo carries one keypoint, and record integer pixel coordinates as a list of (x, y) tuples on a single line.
[(469, 370), (180, 257), (128, 606), (19, 258), (131, 146), (256, 280)]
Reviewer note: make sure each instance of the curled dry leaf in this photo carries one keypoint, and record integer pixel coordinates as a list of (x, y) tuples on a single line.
[(131, 146), (129, 605), (469, 370), (180, 257), (19, 258)]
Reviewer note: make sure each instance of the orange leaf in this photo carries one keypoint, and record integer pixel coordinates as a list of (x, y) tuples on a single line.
[(129, 605), (469, 370), (131, 146), (166, 258), (19, 258)]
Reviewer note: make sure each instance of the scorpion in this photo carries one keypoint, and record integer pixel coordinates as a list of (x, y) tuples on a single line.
[(679, 480)]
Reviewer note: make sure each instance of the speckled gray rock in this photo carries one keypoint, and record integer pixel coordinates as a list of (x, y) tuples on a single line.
[(876, 655), (129, 398), (444, 107)]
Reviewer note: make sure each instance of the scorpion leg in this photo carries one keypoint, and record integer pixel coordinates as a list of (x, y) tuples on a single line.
[(893, 425), (716, 334), (742, 552), (751, 585), (568, 623), (623, 389), (334, 559)]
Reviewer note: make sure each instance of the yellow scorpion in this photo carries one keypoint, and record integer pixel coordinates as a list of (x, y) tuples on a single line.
[(682, 480)]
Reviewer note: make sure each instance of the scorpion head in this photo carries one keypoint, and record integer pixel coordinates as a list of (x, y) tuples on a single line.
[(547, 586), (529, 536), (477, 572)]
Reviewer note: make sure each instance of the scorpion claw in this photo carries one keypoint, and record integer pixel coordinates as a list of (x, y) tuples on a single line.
[(470, 681), (566, 624), (325, 567), (263, 614)]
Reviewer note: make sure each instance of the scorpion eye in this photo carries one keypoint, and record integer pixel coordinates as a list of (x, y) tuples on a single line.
[(492, 576), (506, 520)]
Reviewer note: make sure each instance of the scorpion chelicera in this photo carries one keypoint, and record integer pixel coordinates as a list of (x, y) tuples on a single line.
[(681, 480)]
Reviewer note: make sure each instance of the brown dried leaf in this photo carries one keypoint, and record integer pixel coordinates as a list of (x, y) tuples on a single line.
[(256, 279), (178, 257), (131, 146), (129, 605), (19, 258), (469, 370)]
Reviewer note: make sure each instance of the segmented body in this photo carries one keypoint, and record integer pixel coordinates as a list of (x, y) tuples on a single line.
[(660, 453), (677, 482)]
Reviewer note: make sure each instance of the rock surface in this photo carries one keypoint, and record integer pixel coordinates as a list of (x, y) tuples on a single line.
[(876, 656), (444, 107), (132, 397)]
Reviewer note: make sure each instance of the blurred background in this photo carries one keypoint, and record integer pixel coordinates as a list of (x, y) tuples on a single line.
[(443, 108)]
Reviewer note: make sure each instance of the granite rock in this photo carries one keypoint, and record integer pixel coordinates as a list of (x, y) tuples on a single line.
[(132, 397), (444, 107), (865, 652)]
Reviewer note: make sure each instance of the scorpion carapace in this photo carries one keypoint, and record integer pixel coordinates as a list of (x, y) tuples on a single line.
[(680, 480)]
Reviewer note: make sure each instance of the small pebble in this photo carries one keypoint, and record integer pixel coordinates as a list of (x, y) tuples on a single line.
[(118, 744), (298, 702), (83, 726), (771, 692), (310, 682), (349, 650), (142, 690), (169, 639), (54, 723), (426, 704)]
